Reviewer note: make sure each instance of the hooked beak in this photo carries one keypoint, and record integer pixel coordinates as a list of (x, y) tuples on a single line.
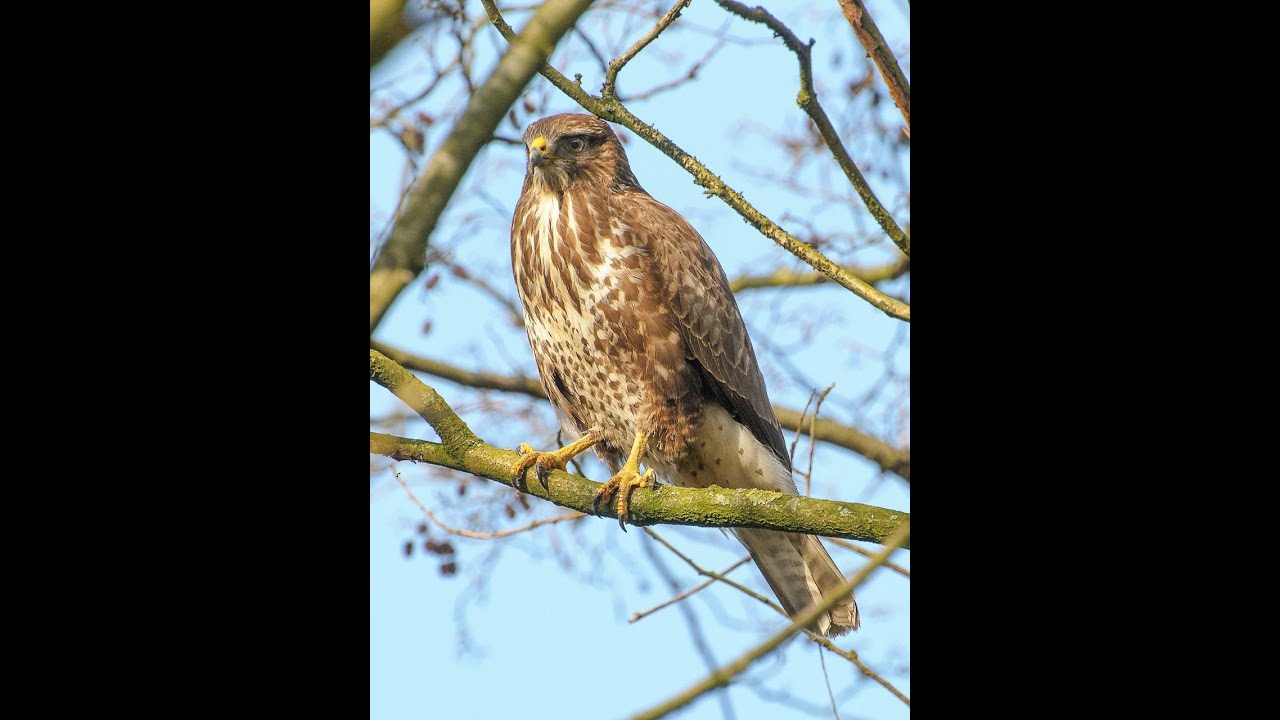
[(538, 152)]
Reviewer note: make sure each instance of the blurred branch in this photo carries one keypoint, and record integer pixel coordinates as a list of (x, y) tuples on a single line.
[(889, 458), (690, 74), (866, 553), (790, 278), (869, 35), (807, 99), (460, 449), (404, 254), (387, 26), (725, 674), (615, 111)]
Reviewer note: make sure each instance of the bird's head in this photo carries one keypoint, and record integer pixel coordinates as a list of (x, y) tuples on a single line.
[(572, 149)]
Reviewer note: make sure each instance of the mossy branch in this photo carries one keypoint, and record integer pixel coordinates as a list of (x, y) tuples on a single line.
[(888, 457), (404, 254), (614, 110), (460, 449)]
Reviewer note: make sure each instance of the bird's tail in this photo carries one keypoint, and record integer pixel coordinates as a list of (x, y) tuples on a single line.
[(800, 571)]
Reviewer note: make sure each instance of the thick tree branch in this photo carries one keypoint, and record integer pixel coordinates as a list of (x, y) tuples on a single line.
[(404, 254), (664, 504), (387, 26), (869, 35), (791, 278), (460, 449), (807, 99), (615, 111), (726, 674), (888, 457)]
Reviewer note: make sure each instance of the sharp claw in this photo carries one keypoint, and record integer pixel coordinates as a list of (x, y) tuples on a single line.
[(542, 472)]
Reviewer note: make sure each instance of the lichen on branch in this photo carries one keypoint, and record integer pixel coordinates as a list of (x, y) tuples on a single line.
[(460, 449)]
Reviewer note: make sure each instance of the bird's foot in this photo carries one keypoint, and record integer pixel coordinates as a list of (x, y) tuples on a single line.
[(544, 462), (621, 485)]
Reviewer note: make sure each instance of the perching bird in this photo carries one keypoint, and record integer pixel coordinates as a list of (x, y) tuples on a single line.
[(641, 348)]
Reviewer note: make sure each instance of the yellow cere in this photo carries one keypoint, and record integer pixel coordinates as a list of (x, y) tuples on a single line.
[(539, 143)]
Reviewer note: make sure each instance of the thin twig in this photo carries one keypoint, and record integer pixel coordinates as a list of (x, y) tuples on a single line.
[(672, 84), (693, 590), (725, 675), (609, 91), (813, 441), (825, 642), (483, 535), (808, 101), (615, 111)]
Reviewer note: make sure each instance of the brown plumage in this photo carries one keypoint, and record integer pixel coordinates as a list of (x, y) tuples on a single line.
[(640, 346)]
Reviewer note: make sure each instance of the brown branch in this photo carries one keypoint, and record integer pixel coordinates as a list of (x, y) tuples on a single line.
[(615, 111), (784, 277), (888, 457), (807, 99), (726, 674), (869, 35), (403, 256)]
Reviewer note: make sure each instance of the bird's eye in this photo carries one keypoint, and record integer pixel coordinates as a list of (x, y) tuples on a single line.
[(576, 145)]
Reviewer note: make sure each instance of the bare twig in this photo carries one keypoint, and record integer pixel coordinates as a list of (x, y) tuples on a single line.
[(615, 111), (813, 436), (808, 101), (611, 75), (691, 591), (726, 674), (484, 535)]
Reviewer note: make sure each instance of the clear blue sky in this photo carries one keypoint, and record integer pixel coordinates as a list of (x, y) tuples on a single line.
[(545, 633)]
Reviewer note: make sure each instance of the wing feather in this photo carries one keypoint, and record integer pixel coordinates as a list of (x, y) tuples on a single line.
[(707, 317)]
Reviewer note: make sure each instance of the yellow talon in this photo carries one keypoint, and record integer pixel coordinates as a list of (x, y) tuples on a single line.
[(545, 462), (627, 479)]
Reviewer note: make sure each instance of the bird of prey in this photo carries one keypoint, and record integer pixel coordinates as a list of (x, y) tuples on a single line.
[(642, 350)]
